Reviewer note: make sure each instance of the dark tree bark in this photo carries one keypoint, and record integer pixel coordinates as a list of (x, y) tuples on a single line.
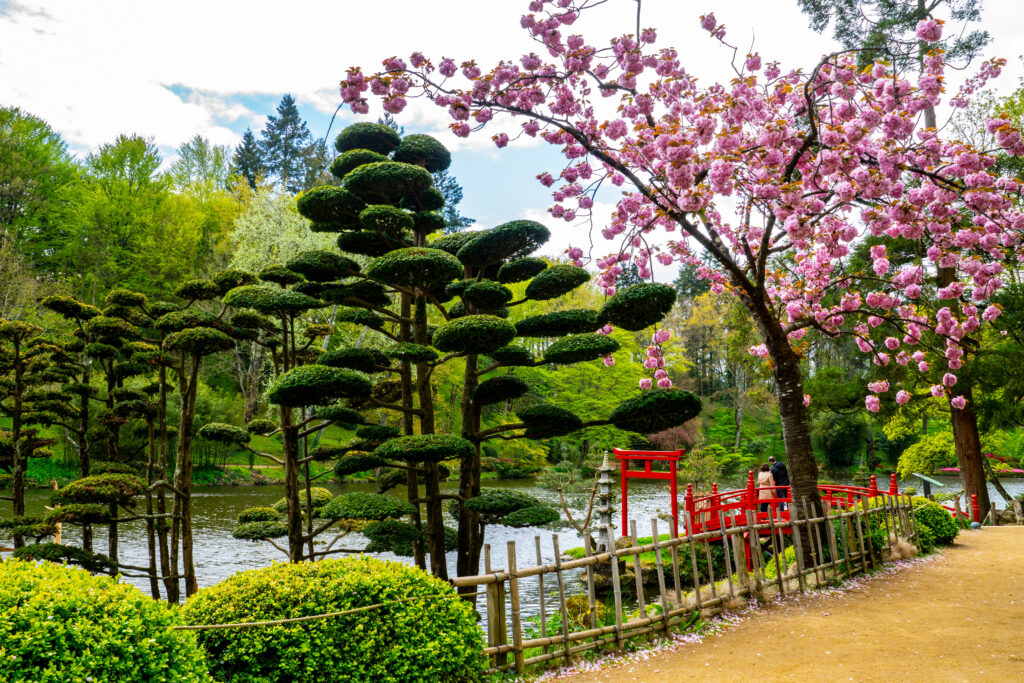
[(968, 452)]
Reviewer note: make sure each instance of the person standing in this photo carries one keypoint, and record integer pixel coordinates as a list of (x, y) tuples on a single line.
[(765, 482), (781, 476)]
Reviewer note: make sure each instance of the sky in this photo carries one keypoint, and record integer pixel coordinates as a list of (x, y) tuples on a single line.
[(169, 70)]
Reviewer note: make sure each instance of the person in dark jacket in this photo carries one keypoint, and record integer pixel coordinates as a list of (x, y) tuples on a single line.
[(781, 476)]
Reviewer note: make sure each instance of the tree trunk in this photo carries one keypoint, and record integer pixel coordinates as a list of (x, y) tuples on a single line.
[(18, 464), (290, 437), (154, 584), (468, 562), (83, 448), (170, 584), (739, 416), (432, 477), (968, 451), (183, 477), (408, 428)]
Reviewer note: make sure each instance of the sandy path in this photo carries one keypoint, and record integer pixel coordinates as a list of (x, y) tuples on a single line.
[(957, 618)]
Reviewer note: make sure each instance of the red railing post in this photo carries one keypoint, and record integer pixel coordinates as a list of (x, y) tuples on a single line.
[(714, 489), (893, 486), (751, 492), (625, 502), (873, 487), (674, 486), (975, 511)]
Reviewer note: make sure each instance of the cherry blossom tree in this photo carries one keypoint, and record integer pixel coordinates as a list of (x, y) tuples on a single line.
[(776, 176)]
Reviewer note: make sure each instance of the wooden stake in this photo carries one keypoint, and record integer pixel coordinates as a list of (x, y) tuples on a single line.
[(517, 624), (815, 549), (591, 592), (693, 561), (801, 566), (661, 572), (830, 537), (561, 598), (675, 564), (775, 553), (616, 587), (543, 598), (638, 574), (725, 551)]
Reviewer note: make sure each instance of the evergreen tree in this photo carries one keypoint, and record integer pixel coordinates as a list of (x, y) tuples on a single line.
[(248, 159), (285, 142)]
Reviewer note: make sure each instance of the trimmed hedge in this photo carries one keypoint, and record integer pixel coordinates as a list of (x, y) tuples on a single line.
[(225, 433), (269, 299), (198, 341), (494, 504), (318, 494), (226, 280), (260, 531), (639, 306), (500, 389), (101, 488), (655, 410), (386, 219), (942, 525), (65, 554), (62, 624), (388, 182), (486, 294), (373, 293), (329, 204), (359, 316), (352, 159), (322, 266), (369, 243), (433, 639), (377, 432), (474, 334), (415, 267), (424, 151), (363, 505), (357, 462), (310, 385), (512, 240), (260, 426), (580, 347), (197, 290), (533, 516), (376, 137), (279, 275), (545, 420), (454, 242), (364, 360), (426, 448), (427, 222), (521, 270), (513, 356), (556, 281), (258, 514), (559, 323), (337, 413), (414, 353)]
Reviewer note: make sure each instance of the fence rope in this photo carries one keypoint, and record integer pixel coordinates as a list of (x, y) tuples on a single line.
[(313, 617)]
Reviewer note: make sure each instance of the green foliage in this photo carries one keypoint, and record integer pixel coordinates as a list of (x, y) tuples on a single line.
[(521, 270), (329, 205), (925, 538), (199, 341), (124, 297), (279, 275), (175, 321), (386, 219), (101, 488), (61, 624), (376, 137), (474, 334), (107, 467), (337, 413), (415, 267), (556, 281), (79, 513), (70, 308), (839, 437), (354, 158), (414, 353), (357, 462), (318, 494), (639, 306), (258, 514), (499, 389), (369, 243), (941, 523), (531, 516), (426, 448), (262, 426), (544, 420), (486, 295), (270, 299), (388, 182), (930, 453), (433, 639), (495, 504), (363, 505), (559, 323), (656, 410), (424, 151), (310, 385), (512, 240), (359, 316), (363, 360), (512, 356), (225, 433), (260, 531), (197, 290), (454, 242), (65, 554), (377, 432), (365, 292), (226, 280), (580, 347), (322, 266)]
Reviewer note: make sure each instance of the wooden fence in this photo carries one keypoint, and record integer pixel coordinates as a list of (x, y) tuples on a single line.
[(832, 546)]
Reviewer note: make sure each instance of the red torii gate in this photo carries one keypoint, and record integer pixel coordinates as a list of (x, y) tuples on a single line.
[(647, 458)]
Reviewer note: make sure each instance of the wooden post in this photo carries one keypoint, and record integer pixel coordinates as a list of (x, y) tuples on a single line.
[(776, 551), (867, 528), (857, 514), (913, 520), (842, 538), (638, 574), (693, 563), (591, 592), (496, 634), (711, 569), (815, 548), (561, 598), (673, 530), (725, 551), (739, 555), (754, 543), (616, 586), (830, 537), (801, 566), (543, 598), (517, 624), (661, 571)]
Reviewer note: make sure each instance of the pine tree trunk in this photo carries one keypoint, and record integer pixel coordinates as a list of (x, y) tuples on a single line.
[(968, 451), (290, 437), (183, 477), (170, 584), (408, 428), (83, 449), (470, 543), (432, 477), (154, 584), (18, 464)]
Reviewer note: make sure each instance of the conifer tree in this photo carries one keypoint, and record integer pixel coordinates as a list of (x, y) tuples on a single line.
[(248, 159), (284, 144)]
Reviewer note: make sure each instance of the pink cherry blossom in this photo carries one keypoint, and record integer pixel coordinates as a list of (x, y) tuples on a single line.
[(902, 397), (958, 402), (949, 379), (929, 30), (872, 403), (646, 383), (937, 390)]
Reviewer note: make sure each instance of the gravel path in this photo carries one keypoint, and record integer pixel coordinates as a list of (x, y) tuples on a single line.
[(959, 617)]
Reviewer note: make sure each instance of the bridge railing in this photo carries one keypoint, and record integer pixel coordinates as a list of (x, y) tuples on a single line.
[(569, 616)]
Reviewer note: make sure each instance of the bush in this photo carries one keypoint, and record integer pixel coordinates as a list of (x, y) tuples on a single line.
[(512, 240), (639, 306), (434, 639), (363, 505), (474, 334), (577, 348), (559, 323), (258, 514), (426, 448), (101, 488), (309, 385), (499, 389), (521, 270), (533, 516), (932, 515), (376, 137), (62, 624), (544, 420), (415, 267), (655, 410)]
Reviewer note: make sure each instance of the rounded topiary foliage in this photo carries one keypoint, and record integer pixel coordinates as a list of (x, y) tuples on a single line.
[(79, 513), (943, 527), (363, 360), (318, 494), (639, 306), (279, 275), (486, 295), (500, 389), (513, 356), (556, 281), (65, 554), (414, 353), (544, 420), (124, 297), (197, 290), (532, 516), (352, 159), (269, 299), (310, 385), (656, 410), (226, 280), (366, 292), (580, 347), (415, 267), (363, 505), (108, 467), (359, 316), (388, 182), (324, 452), (260, 531), (322, 266), (427, 222), (376, 137), (357, 462), (64, 624), (377, 432), (370, 243), (521, 270), (426, 448), (225, 433), (386, 219), (474, 334), (454, 242), (199, 341), (103, 326), (559, 323), (435, 638), (258, 514), (494, 504), (337, 413), (511, 240), (261, 426), (391, 535), (424, 151), (101, 488), (329, 204)]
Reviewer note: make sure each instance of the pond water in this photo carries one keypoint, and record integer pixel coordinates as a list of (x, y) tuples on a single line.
[(219, 555)]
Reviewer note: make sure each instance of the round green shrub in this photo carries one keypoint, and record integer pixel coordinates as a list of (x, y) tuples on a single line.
[(386, 219), (458, 310), (391, 535), (197, 290), (370, 243), (176, 321), (258, 514), (387, 182), (108, 467), (486, 295), (655, 410), (357, 462), (413, 353), (454, 242), (363, 360), (71, 308), (544, 420), (199, 341), (429, 199), (279, 275), (639, 306), (322, 266), (367, 292), (352, 159), (269, 299), (533, 516), (260, 531), (521, 269), (261, 426), (101, 488), (224, 433), (925, 538), (415, 267), (79, 513), (499, 390), (337, 413), (513, 356), (941, 523), (251, 320), (580, 347), (376, 137), (474, 334), (323, 452), (426, 448), (556, 281), (424, 151), (364, 505), (65, 554), (115, 328), (427, 222), (310, 385), (359, 316), (559, 323), (512, 240), (226, 280), (495, 504), (378, 433), (319, 495), (389, 479), (329, 204), (433, 639), (63, 624), (124, 297)]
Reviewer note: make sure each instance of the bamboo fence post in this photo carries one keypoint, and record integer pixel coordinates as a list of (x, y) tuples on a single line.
[(846, 546), (884, 509), (754, 543), (616, 587), (775, 552), (890, 505), (661, 572), (591, 592), (726, 552), (830, 538), (739, 556), (675, 563), (815, 549), (913, 520), (496, 634), (867, 531), (711, 568), (517, 624), (693, 561), (561, 598), (801, 566), (860, 538), (540, 588), (638, 573)]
